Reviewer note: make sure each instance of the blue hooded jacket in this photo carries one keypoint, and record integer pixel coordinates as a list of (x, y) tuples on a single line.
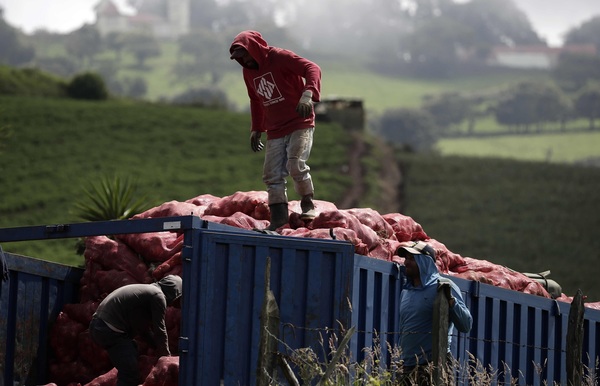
[(416, 314)]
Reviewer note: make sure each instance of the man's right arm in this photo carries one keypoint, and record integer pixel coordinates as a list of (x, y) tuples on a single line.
[(161, 339)]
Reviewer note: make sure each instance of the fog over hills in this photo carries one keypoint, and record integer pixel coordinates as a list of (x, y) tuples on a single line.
[(550, 18)]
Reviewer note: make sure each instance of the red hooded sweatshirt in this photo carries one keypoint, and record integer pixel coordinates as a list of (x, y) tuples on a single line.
[(277, 85)]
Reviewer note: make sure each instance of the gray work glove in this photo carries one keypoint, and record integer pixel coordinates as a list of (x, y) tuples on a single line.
[(255, 142), (305, 105)]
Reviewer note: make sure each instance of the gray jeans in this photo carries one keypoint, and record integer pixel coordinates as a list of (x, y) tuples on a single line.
[(121, 349), (285, 157)]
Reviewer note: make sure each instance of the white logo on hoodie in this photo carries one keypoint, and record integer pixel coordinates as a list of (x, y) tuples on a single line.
[(266, 87)]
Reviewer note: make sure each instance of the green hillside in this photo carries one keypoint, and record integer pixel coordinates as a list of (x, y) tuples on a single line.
[(59, 146), (528, 216)]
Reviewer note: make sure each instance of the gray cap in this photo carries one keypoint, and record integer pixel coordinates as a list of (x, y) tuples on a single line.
[(171, 286), (418, 248)]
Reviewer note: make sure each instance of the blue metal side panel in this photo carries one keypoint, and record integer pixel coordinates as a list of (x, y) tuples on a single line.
[(375, 301), (522, 336), (221, 329), (191, 243), (591, 355), (29, 302), (213, 226)]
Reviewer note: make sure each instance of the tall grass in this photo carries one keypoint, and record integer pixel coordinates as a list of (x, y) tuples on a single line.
[(379, 368)]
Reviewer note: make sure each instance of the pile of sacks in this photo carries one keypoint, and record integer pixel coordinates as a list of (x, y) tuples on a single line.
[(144, 258)]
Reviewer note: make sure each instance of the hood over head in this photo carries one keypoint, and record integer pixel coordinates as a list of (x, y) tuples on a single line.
[(171, 286), (424, 255), (428, 270), (251, 41)]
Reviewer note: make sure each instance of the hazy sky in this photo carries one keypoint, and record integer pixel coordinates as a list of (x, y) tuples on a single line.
[(550, 18), (53, 15)]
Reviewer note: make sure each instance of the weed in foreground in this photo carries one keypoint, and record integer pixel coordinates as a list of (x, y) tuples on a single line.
[(379, 368)]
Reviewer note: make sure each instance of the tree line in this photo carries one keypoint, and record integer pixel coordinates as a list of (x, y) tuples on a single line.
[(526, 107)]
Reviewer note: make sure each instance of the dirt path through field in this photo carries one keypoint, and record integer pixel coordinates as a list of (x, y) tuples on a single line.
[(390, 177)]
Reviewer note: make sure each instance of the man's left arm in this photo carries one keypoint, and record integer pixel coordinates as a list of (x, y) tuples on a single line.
[(311, 91), (309, 70), (459, 313), (312, 79)]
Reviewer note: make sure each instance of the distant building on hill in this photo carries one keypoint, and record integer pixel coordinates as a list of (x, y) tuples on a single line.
[(541, 57), (164, 19)]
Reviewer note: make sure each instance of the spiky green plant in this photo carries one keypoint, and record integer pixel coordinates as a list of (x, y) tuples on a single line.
[(111, 198)]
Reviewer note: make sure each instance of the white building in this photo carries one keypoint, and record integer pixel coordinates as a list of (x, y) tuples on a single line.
[(165, 19), (541, 57)]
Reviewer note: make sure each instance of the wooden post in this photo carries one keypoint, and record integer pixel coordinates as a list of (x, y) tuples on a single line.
[(269, 333), (575, 341), (440, 334)]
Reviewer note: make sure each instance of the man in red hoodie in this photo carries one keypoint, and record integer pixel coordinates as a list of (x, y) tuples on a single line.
[(282, 87)]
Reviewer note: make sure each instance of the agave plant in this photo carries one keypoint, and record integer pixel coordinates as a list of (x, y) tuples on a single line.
[(111, 198)]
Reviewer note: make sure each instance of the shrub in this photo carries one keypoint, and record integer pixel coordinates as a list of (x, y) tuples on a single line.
[(87, 86)]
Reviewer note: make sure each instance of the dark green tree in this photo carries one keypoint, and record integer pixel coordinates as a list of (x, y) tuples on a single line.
[(531, 103), (574, 71), (587, 33), (437, 38), (88, 85), (587, 103), (552, 105), (431, 51), (448, 109), (414, 129)]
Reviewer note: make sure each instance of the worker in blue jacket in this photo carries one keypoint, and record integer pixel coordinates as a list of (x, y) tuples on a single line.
[(416, 312)]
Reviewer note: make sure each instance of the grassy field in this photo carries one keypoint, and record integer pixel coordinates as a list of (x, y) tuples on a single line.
[(528, 216), (575, 147)]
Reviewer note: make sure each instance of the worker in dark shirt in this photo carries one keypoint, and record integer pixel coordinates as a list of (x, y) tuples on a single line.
[(130, 311)]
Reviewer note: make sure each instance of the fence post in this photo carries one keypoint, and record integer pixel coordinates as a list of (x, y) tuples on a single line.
[(440, 335), (269, 332), (575, 341)]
